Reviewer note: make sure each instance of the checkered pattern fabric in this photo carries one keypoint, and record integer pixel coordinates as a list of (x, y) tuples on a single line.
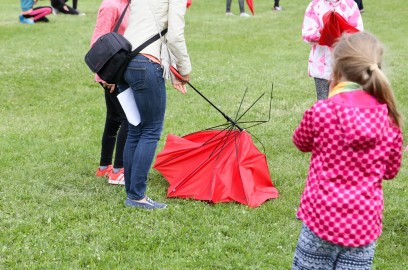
[(353, 149)]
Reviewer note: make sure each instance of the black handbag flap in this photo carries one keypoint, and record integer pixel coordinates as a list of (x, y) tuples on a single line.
[(104, 48)]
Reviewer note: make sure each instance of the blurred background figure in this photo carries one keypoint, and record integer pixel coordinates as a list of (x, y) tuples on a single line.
[(60, 6), (319, 63), (360, 5), (31, 15), (276, 6), (242, 12)]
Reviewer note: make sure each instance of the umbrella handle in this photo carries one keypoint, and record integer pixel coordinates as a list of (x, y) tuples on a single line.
[(176, 73)]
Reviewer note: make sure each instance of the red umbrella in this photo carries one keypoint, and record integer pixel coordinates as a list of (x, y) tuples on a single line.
[(250, 4), (216, 166), (334, 26)]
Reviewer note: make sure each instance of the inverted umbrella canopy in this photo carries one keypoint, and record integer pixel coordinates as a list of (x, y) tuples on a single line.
[(250, 4), (334, 26), (216, 166)]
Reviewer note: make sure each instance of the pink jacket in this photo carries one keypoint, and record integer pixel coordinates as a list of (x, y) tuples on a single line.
[(354, 147), (108, 14), (319, 58)]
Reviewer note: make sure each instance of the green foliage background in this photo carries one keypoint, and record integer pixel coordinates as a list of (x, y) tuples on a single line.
[(55, 214)]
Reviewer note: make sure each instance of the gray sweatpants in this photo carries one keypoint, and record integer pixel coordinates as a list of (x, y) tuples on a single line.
[(322, 88), (241, 6)]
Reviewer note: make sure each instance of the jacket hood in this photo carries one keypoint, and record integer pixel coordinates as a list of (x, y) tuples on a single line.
[(361, 117)]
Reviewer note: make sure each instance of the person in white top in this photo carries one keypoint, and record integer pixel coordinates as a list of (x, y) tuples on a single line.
[(145, 77), (319, 63)]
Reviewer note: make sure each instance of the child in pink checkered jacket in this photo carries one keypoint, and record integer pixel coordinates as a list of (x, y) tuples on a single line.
[(356, 142)]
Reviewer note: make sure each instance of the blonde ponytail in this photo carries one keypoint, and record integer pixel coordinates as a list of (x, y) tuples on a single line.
[(358, 58)]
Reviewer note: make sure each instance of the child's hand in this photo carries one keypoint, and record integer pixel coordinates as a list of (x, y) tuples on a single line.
[(111, 87)]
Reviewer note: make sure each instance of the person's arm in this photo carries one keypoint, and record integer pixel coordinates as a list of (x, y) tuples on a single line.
[(105, 22), (355, 18), (311, 25), (175, 35), (177, 43), (303, 135), (393, 162)]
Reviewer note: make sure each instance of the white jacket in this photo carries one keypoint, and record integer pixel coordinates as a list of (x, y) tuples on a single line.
[(320, 64), (168, 14)]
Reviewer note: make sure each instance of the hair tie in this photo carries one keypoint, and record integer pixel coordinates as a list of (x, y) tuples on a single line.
[(373, 67)]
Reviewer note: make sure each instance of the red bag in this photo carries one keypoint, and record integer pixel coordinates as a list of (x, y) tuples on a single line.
[(334, 26)]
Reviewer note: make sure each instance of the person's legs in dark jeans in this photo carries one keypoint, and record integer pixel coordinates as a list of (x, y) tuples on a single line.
[(147, 84)]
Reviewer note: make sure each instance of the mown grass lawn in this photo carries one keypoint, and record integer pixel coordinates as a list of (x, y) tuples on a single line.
[(55, 214)]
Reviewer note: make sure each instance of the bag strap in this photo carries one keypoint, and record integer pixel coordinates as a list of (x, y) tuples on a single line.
[(147, 42), (144, 44), (121, 18)]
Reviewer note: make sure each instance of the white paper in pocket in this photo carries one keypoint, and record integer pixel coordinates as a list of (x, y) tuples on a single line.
[(127, 101)]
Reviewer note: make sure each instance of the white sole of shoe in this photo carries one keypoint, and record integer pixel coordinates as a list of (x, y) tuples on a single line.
[(116, 182)]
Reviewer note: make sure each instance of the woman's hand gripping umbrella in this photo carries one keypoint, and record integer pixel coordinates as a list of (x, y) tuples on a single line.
[(179, 81)]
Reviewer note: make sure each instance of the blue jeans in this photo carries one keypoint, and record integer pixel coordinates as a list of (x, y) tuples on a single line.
[(148, 86)]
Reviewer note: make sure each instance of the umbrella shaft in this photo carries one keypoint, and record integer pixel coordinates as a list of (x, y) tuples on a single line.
[(223, 114)]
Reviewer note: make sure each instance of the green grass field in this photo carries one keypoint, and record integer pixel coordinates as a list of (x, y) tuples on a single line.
[(55, 214)]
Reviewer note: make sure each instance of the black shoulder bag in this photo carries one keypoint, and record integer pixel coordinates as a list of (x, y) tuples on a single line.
[(111, 53)]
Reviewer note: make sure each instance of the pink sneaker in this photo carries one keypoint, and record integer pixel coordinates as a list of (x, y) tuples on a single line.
[(116, 178), (103, 173)]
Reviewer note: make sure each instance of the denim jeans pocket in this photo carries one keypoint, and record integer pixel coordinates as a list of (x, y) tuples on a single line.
[(136, 77)]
